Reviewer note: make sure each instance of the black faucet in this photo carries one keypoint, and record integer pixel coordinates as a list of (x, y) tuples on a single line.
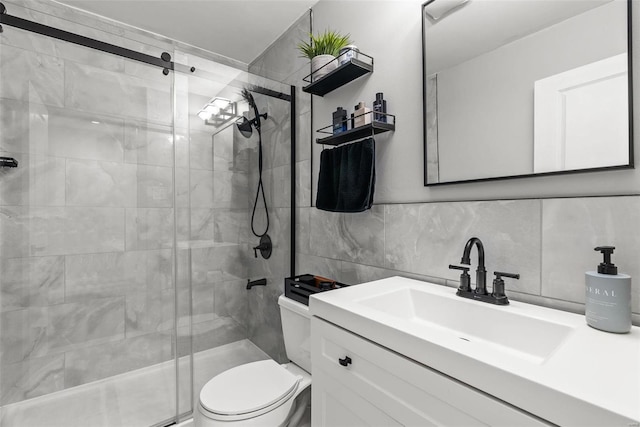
[(481, 272), (480, 292), (259, 282)]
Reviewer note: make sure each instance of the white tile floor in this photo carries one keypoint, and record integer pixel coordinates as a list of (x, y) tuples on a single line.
[(139, 398)]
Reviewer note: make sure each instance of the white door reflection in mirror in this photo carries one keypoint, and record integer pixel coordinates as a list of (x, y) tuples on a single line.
[(581, 117)]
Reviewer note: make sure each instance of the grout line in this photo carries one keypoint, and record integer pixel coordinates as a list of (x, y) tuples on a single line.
[(541, 245)]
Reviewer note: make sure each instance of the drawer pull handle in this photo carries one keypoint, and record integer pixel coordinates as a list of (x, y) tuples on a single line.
[(346, 361)]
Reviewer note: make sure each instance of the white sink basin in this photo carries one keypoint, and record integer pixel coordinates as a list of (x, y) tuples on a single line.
[(476, 322), (547, 362)]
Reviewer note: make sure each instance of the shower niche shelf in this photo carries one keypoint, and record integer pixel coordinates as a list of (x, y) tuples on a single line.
[(342, 75), (367, 130)]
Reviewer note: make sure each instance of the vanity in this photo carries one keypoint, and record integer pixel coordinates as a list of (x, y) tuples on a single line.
[(399, 351)]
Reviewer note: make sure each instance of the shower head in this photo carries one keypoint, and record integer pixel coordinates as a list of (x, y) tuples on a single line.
[(246, 94), (244, 126)]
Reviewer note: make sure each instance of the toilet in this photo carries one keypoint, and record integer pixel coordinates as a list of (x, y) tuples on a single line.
[(264, 393)]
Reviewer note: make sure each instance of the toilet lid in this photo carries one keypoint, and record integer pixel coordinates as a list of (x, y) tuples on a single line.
[(247, 388)]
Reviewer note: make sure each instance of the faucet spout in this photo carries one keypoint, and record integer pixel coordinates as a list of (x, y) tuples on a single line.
[(259, 282), (466, 255), (481, 272)]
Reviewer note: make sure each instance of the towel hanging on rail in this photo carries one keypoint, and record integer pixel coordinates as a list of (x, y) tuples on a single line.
[(346, 181)]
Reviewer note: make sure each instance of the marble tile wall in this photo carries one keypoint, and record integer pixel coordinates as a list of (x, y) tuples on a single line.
[(264, 325), (548, 241), (87, 221)]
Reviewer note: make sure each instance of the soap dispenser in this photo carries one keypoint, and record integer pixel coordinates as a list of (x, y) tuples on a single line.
[(608, 296)]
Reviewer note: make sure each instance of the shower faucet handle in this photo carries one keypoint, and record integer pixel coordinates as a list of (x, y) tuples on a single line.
[(261, 247), (265, 247), (255, 251)]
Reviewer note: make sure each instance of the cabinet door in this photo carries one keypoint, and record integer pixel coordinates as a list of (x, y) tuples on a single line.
[(380, 381), (337, 406)]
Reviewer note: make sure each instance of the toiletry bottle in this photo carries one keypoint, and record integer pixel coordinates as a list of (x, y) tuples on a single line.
[(608, 296), (379, 106), (339, 120), (362, 115), (347, 53), (344, 121), (353, 124)]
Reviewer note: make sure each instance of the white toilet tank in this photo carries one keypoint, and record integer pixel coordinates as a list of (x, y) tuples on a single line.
[(296, 328)]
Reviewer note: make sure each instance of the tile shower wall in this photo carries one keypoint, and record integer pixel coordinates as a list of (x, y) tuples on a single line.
[(278, 63), (87, 220)]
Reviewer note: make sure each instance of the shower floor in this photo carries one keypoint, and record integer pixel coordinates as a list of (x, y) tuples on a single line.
[(140, 398)]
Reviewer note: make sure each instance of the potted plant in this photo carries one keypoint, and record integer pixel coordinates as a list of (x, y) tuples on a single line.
[(322, 50)]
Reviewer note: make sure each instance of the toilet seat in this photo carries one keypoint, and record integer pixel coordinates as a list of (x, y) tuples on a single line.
[(247, 391)]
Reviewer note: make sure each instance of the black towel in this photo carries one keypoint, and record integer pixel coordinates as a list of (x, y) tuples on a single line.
[(347, 177)]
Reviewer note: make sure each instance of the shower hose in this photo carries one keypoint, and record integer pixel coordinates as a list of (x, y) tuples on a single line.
[(260, 188)]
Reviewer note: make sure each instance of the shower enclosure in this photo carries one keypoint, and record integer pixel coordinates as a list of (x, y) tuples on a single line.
[(125, 243)]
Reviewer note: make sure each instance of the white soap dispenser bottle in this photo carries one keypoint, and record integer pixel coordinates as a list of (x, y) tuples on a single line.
[(608, 296)]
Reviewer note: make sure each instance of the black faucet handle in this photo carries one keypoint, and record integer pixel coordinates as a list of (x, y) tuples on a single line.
[(498, 287), (463, 267), (465, 279), (500, 275), (260, 248)]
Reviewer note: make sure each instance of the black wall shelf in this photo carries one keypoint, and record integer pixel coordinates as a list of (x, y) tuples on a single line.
[(360, 132), (342, 75)]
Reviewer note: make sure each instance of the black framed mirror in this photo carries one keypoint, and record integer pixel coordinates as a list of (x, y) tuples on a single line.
[(521, 88)]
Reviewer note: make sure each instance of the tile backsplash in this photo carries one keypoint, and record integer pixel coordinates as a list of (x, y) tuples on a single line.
[(548, 241)]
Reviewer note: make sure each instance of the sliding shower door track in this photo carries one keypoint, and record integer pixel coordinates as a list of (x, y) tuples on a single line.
[(164, 61)]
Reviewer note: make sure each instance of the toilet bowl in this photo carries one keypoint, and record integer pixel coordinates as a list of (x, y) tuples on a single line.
[(263, 393)]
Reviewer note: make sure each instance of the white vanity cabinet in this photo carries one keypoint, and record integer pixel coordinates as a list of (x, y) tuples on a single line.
[(379, 387)]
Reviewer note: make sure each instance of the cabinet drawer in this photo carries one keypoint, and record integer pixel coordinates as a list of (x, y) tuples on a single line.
[(408, 392)]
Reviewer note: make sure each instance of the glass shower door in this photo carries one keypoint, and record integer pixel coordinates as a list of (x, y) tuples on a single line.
[(216, 181), (87, 237)]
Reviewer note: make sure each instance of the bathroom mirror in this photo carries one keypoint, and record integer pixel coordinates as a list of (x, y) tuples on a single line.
[(517, 88)]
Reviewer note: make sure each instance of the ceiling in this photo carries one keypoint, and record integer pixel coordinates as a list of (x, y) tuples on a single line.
[(238, 29), (481, 26)]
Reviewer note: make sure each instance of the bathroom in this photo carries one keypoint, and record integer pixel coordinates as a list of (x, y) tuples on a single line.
[(117, 308)]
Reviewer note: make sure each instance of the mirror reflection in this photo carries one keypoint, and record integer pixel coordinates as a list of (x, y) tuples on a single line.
[(524, 87)]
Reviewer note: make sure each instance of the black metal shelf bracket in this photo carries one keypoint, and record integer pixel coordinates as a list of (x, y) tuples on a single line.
[(343, 74), (374, 127), (164, 61)]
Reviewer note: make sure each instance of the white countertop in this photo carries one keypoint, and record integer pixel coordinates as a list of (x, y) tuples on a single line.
[(592, 378)]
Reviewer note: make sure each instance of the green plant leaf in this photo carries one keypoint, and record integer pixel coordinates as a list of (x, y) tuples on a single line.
[(328, 43)]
